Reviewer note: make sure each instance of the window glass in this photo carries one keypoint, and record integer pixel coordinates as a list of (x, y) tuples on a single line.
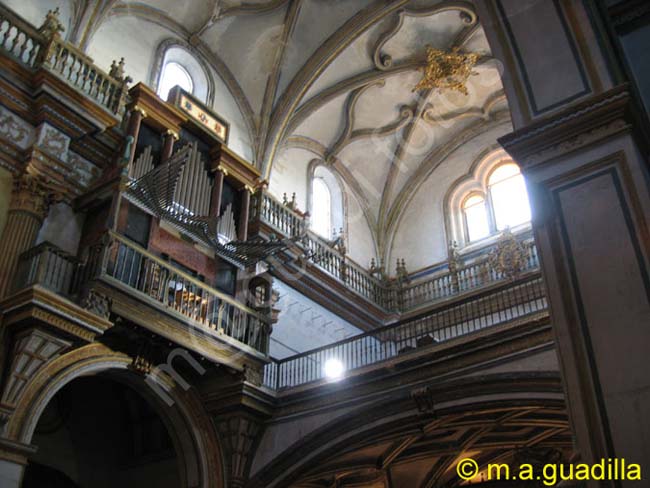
[(509, 197), (476, 218), (321, 218), (174, 74)]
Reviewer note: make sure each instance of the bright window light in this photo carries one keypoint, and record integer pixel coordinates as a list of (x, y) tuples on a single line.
[(334, 369), (509, 197), (174, 74), (321, 219), (476, 218)]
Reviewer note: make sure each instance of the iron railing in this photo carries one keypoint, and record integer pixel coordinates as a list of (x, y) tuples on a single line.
[(498, 305)]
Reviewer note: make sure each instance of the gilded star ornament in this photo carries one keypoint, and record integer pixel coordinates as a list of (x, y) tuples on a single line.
[(447, 70)]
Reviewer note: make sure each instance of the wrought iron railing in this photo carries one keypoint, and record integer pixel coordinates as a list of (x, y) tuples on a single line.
[(465, 278), (48, 266), (36, 49), (392, 296), (124, 263), (498, 305)]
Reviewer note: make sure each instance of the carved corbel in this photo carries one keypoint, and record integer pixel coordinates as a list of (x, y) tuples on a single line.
[(424, 400), (239, 433)]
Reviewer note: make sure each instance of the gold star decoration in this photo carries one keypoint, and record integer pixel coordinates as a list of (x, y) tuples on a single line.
[(447, 70)]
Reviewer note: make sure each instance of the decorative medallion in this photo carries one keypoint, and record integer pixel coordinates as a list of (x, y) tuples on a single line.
[(447, 70), (509, 256)]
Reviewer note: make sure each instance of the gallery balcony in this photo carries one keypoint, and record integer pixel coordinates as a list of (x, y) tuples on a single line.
[(367, 300), (59, 65), (141, 288)]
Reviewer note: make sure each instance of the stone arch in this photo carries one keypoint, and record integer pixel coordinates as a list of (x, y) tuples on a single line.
[(536, 392), (192, 431)]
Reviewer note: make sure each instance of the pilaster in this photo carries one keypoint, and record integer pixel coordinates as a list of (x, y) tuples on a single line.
[(587, 174)]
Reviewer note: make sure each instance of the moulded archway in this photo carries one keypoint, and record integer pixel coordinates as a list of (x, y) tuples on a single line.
[(192, 432)]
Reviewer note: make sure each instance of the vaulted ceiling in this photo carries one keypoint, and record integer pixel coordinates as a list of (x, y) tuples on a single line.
[(334, 80)]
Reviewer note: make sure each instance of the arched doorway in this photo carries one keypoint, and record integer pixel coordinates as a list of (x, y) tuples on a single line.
[(97, 383), (100, 432)]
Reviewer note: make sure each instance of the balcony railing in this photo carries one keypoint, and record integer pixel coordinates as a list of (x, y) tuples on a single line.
[(392, 296), (48, 266), (25, 44), (514, 300), (124, 263)]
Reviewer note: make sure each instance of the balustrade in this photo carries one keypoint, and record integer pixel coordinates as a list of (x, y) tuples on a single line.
[(24, 43), (48, 266), (391, 296), (134, 267)]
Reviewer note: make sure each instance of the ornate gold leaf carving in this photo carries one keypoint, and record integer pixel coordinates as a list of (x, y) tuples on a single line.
[(509, 256), (448, 70)]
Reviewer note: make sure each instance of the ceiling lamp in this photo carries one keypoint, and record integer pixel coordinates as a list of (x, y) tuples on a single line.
[(447, 70)]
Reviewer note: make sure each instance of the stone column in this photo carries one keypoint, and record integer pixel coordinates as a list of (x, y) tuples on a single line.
[(243, 213), (27, 210), (587, 172)]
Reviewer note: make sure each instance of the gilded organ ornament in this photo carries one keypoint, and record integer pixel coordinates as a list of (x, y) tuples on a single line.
[(509, 256), (447, 70)]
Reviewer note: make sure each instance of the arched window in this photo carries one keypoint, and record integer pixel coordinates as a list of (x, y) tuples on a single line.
[(477, 224), (487, 200), (321, 217), (508, 195), (174, 74)]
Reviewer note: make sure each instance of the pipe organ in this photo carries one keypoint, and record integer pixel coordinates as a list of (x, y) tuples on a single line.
[(226, 229), (183, 174), (142, 165), (193, 187)]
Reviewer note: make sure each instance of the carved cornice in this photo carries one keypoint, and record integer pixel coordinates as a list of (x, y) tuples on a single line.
[(579, 126), (36, 305), (163, 116)]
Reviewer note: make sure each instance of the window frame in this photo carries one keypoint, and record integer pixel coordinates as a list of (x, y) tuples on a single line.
[(329, 193), (485, 191), (463, 210), (183, 69)]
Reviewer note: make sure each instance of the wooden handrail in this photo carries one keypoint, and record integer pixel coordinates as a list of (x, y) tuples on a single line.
[(164, 264)]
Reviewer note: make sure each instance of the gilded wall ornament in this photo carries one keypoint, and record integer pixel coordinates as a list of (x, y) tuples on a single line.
[(447, 70), (509, 256), (52, 25), (97, 303)]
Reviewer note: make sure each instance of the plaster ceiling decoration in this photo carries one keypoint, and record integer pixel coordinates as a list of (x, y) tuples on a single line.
[(332, 77)]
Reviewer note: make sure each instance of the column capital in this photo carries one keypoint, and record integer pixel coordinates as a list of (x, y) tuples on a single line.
[(30, 195)]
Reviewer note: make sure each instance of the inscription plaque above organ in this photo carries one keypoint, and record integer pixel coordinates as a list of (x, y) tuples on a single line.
[(181, 171)]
